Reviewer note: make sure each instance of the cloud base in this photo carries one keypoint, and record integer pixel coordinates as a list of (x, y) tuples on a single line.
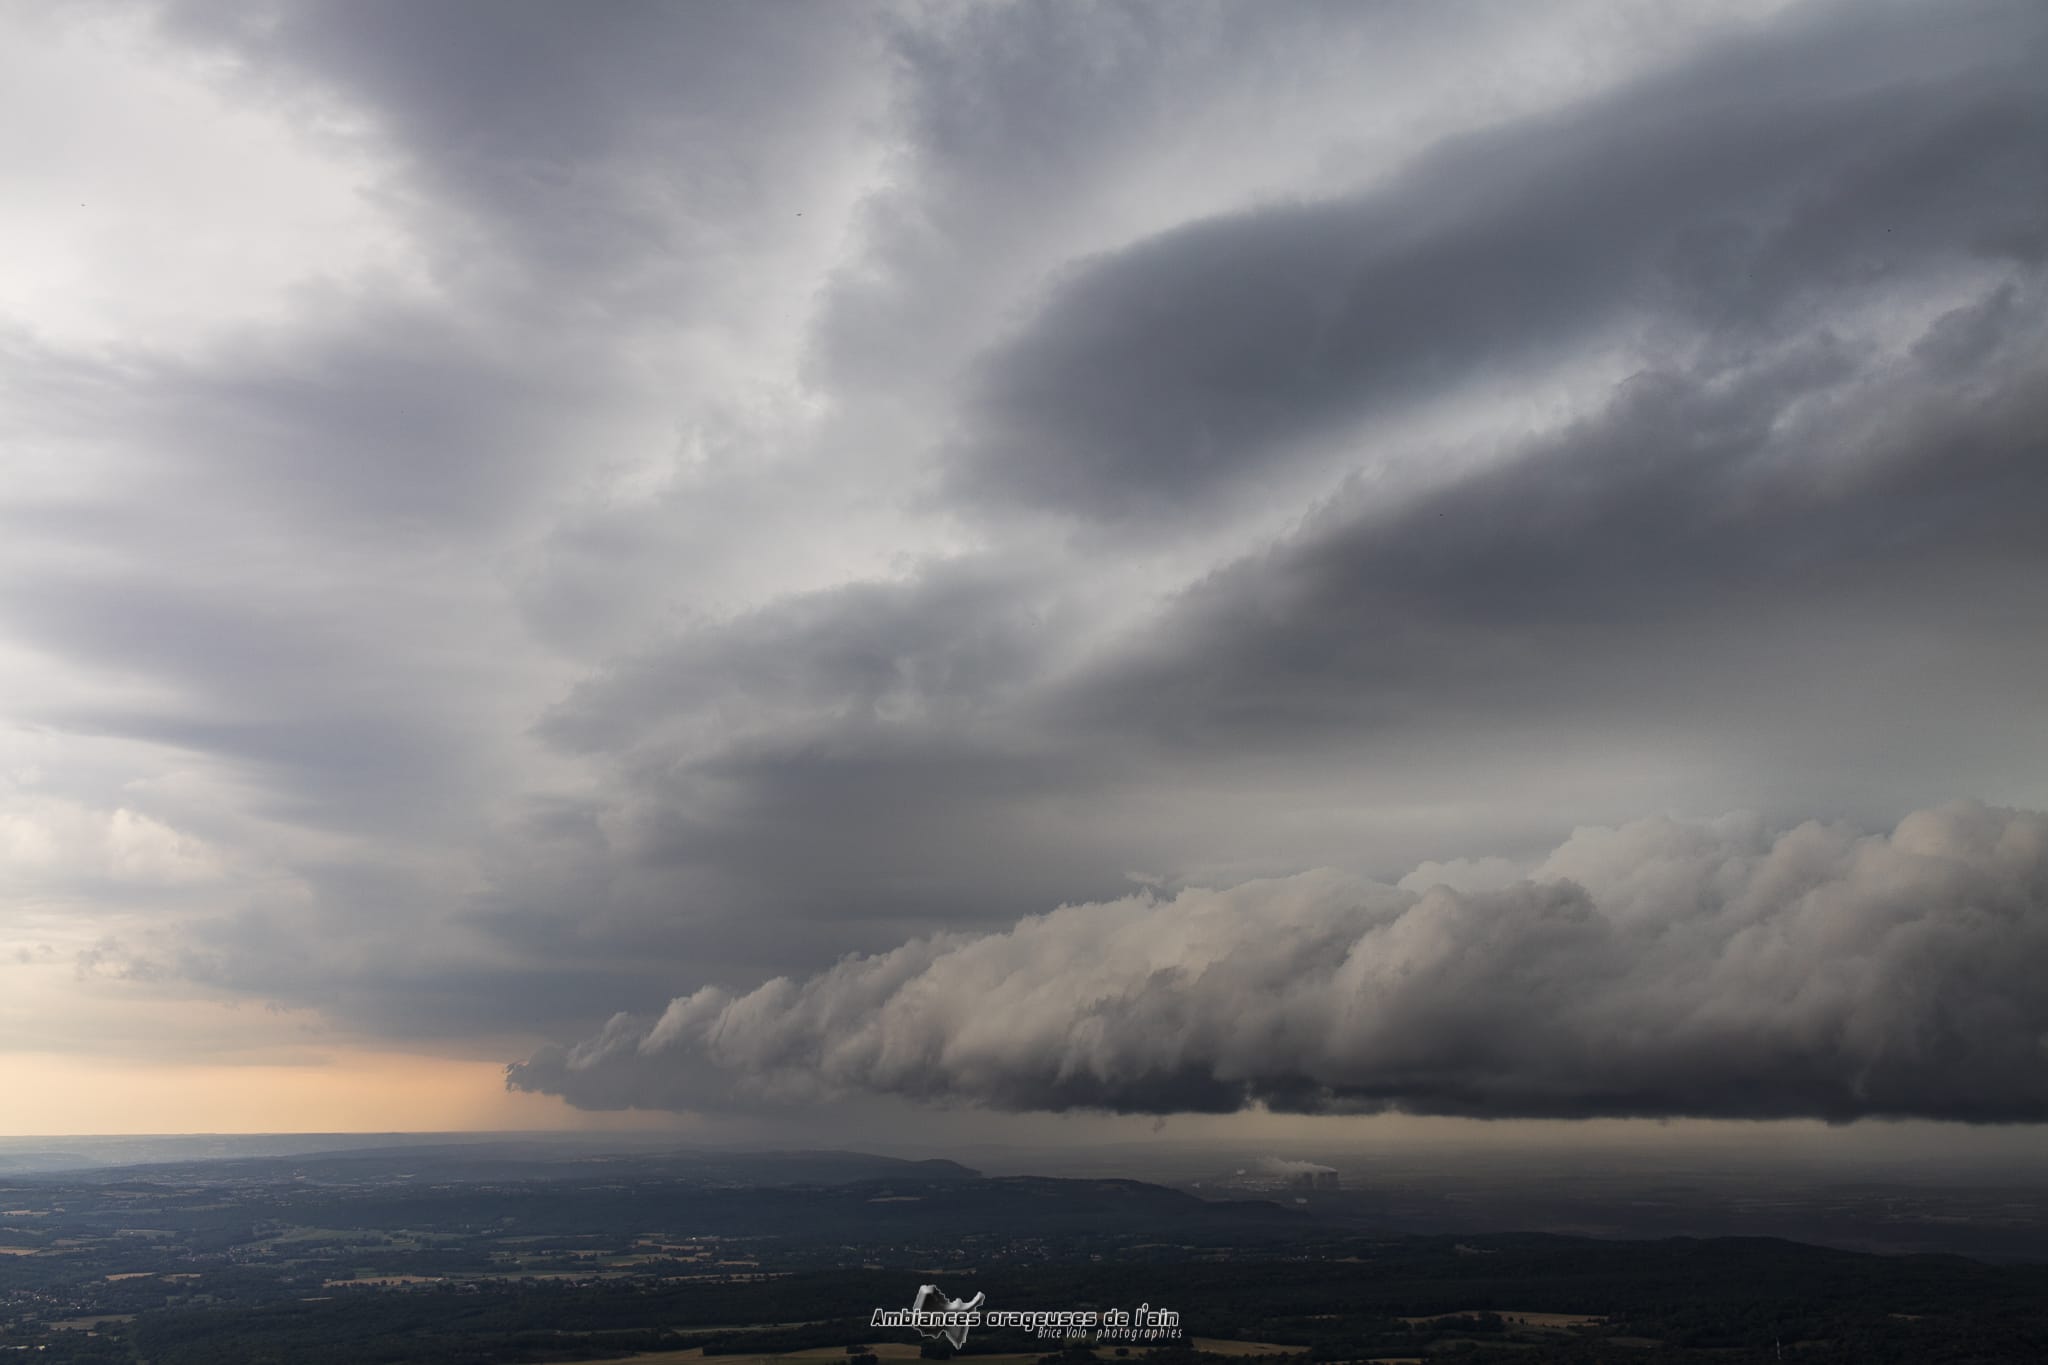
[(1664, 968)]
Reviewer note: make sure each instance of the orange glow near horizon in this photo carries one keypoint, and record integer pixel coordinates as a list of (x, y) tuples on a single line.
[(45, 1094)]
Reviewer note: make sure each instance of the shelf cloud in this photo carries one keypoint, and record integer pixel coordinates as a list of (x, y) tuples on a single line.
[(1660, 969)]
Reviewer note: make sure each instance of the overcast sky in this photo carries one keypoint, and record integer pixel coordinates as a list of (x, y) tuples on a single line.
[(1476, 559)]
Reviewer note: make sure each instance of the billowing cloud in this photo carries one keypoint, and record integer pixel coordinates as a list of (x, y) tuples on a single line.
[(46, 837), (1663, 968)]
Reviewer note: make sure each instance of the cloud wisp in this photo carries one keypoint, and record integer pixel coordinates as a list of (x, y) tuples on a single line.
[(1664, 968)]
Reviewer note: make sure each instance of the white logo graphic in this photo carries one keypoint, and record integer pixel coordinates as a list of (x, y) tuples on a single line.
[(955, 1332)]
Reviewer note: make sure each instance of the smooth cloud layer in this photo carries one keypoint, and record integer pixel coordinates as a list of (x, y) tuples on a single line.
[(1723, 200), (1660, 969)]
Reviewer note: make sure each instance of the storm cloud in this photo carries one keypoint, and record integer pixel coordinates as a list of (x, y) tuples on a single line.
[(1661, 969), (515, 512)]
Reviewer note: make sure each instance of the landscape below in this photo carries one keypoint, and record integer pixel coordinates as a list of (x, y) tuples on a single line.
[(540, 1252)]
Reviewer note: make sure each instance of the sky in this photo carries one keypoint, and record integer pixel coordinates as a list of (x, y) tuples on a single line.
[(942, 569)]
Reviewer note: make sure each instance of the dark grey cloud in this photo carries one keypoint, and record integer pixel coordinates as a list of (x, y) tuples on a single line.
[(1752, 191), (630, 148), (945, 649), (1764, 498), (842, 763), (1661, 969)]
